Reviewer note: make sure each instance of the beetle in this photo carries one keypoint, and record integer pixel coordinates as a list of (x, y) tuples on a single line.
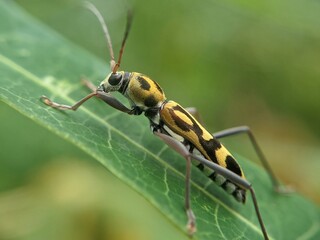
[(178, 127)]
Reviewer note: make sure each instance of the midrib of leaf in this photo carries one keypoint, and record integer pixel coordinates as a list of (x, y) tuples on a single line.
[(15, 67)]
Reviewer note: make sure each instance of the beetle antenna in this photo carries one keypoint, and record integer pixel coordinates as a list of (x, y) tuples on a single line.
[(126, 33), (97, 13)]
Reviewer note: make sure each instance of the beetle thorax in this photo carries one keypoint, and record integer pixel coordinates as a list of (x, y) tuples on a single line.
[(144, 92)]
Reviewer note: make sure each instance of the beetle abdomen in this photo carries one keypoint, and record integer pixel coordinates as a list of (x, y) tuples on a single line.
[(181, 125)]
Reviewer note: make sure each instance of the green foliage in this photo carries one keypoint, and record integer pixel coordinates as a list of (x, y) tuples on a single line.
[(35, 60)]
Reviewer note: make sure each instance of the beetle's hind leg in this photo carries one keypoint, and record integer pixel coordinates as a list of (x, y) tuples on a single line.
[(245, 129), (182, 150), (278, 187)]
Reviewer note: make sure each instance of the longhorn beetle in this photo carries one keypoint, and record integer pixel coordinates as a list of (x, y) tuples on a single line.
[(176, 126)]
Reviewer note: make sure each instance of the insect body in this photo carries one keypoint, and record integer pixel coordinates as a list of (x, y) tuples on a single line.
[(177, 127), (168, 117)]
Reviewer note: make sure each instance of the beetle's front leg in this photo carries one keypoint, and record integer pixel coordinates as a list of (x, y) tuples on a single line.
[(107, 98), (110, 100), (73, 107), (115, 103)]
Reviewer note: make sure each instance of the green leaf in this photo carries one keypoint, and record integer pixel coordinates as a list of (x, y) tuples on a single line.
[(36, 61)]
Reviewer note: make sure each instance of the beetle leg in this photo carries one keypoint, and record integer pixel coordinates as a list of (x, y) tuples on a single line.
[(115, 103), (237, 180), (73, 107), (244, 129), (181, 149), (107, 98)]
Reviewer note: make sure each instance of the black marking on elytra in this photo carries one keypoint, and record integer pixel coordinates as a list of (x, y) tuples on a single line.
[(182, 124), (215, 144), (210, 146), (143, 83), (233, 166), (150, 101), (178, 121)]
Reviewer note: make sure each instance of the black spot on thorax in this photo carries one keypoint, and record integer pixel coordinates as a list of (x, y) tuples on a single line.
[(143, 83), (150, 101)]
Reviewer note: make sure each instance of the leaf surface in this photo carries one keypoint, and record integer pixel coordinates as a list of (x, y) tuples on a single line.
[(36, 61)]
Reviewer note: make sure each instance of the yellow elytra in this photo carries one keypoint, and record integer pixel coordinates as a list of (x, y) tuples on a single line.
[(180, 124)]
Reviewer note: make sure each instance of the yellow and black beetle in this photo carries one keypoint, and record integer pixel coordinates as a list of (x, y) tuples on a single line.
[(177, 127)]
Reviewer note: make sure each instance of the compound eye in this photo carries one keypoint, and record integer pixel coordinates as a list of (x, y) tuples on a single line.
[(115, 79)]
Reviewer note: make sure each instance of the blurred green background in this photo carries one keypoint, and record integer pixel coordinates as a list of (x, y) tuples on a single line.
[(239, 62)]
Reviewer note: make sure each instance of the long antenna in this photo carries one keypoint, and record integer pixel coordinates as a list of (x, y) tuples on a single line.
[(126, 33), (114, 65), (96, 12)]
